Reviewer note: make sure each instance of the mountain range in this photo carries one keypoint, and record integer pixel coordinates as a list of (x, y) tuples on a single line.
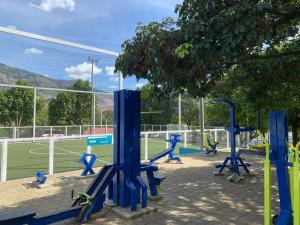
[(10, 75)]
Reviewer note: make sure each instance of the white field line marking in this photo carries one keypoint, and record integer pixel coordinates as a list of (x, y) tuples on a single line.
[(41, 153), (75, 153)]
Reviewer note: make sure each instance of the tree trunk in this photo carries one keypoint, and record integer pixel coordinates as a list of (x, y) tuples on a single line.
[(295, 132)]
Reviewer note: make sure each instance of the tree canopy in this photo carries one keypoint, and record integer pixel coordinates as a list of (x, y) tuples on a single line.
[(157, 110), (16, 105), (71, 108), (265, 85), (209, 38), (246, 50)]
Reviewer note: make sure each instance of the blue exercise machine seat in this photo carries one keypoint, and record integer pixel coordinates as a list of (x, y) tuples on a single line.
[(174, 139)]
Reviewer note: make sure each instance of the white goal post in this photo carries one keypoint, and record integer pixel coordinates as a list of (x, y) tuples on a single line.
[(62, 42)]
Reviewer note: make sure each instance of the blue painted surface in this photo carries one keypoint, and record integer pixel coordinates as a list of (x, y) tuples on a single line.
[(128, 189), (174, 139), (99, 140), (88, 161), (279, 157), (234, 161), (189, 151), (40, 177)]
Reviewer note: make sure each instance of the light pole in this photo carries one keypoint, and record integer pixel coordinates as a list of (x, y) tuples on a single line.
[(92, 123), (179, 111), (101, 117), (201, 121)]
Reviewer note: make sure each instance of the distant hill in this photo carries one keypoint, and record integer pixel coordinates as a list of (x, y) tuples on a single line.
[(10, 75)]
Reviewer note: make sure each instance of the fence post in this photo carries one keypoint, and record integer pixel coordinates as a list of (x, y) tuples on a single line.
[(167, 137), (51, 131), (216, 135), (4, 161), (66, 130), (228, 139), (14, 132), (34, 113), (51, 155), (80, 131), (146, 147), (89, 149), (185, 141), (248, 140)]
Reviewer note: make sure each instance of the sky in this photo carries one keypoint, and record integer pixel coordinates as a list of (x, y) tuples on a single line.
[(104, 24)]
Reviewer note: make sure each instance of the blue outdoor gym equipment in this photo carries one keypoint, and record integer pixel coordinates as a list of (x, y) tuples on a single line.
[(234, 161), (88, 161), (279, 156), (40, 177), (122, 178), (174, 139)]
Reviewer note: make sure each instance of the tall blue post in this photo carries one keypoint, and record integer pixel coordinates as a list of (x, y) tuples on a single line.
[(127, 156), (279, 157), (233, 129)]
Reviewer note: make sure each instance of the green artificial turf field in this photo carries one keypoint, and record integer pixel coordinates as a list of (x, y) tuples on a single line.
[(25, 159)]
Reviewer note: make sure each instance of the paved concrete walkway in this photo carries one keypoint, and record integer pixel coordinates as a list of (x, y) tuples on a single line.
[(192, 195)]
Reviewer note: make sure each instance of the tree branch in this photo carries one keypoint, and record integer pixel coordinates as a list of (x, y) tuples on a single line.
[(272, 55), (290, 14)]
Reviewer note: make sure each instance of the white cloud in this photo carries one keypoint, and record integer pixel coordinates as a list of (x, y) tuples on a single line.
[(114, 78), (113, 86), (139, 85), (49, 5), (33, 51), (11, 27), (110, 70), (82, 71)]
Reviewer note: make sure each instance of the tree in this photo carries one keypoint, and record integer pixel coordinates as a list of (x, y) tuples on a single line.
[(264, 86), (71, 108), (3, 110), (61, 109), (41, 112), (190, 110), (83, 103), (209, 38), (106, 114), (157, 110), (223, 48), (17, 106)]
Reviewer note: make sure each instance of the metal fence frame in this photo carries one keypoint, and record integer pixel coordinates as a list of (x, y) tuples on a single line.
[(105, 127), (52, 140), (35, 89)]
